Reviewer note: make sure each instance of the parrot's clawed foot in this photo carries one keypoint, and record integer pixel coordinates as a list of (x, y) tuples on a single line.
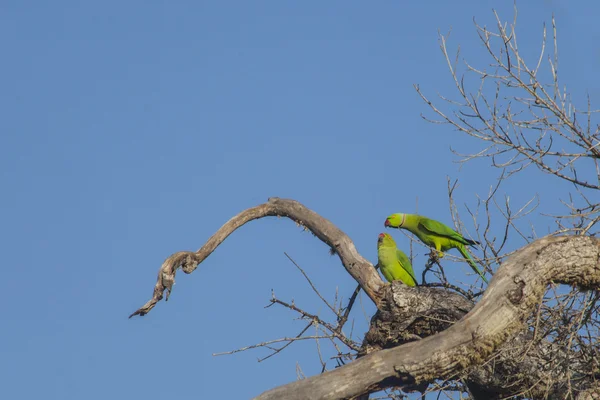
[(435, 256)]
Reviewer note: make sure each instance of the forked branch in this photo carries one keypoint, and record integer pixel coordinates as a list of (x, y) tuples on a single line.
[(356, 265), (513, 294)]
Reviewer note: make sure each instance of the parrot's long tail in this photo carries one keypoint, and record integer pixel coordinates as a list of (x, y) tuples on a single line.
[(471, 262)]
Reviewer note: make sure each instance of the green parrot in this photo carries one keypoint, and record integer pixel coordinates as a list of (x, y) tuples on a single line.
[(394, 264), (434, 234)]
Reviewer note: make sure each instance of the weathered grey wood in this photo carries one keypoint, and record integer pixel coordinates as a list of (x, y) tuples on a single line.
[(512, 295), (356, 265), (515, 290)]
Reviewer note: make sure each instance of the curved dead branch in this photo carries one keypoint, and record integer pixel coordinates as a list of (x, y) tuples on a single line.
[(515, 290), (356, 265)]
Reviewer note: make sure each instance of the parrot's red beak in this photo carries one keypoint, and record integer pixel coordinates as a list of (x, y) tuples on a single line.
[(386, 223)]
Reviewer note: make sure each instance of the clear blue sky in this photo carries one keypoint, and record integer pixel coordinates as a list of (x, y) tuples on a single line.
[(131, 130)]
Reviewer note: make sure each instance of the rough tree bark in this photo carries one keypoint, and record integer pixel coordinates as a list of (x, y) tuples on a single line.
[(515, 290), (356, 265), (522, 365)]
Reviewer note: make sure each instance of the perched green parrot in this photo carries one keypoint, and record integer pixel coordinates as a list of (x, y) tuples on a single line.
[(394, 264), (434, 234)]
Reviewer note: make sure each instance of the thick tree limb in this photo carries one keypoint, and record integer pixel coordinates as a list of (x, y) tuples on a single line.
[(524, 366), (356, 265), (509, 300)]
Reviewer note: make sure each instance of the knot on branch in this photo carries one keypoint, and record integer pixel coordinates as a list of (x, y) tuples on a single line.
[(515, 294), (190, 263)]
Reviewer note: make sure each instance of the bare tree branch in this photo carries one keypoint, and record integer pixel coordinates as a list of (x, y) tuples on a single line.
[(356, 265), (513, 294), (446, 343)]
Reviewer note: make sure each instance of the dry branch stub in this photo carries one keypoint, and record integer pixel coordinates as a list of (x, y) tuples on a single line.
[(356, 265)]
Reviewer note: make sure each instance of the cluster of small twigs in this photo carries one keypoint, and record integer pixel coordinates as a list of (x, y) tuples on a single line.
[(331, 332), (447, 390), (438, 390), (523, 122), (567, 324), (570, 320)]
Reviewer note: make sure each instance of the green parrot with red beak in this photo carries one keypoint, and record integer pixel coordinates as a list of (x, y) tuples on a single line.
[(394, 264), (434, 234)]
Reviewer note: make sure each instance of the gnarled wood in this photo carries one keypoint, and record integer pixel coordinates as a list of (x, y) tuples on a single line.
[(510, 298), (524, 364), (356, 265)]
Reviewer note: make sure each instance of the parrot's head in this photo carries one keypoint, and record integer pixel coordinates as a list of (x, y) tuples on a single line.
[(395, 220), (385, 239)]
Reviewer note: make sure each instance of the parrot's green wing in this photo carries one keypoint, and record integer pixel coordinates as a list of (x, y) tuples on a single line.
[(405, 263), (437, 228)]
